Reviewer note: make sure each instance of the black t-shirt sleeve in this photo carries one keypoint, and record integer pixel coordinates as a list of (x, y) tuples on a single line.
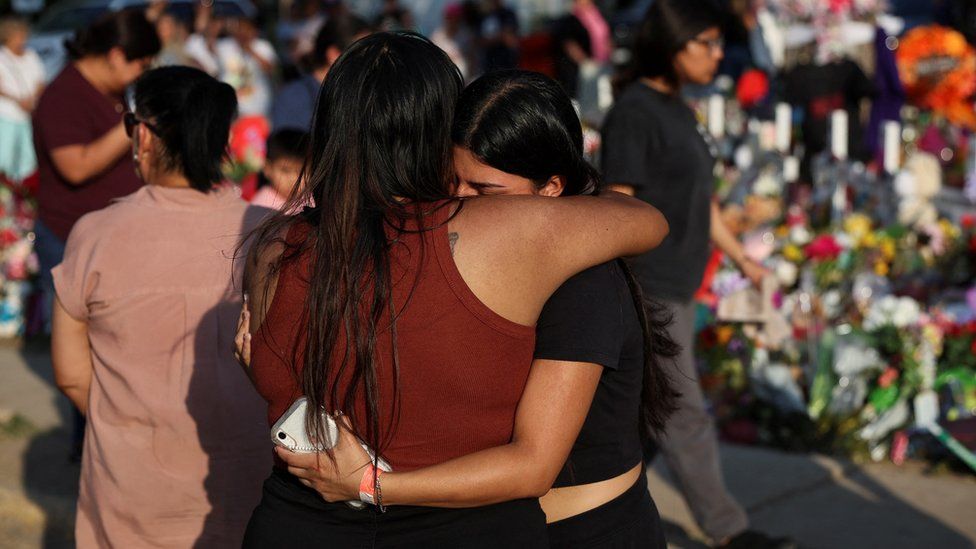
[(582, 321), (628, 143)]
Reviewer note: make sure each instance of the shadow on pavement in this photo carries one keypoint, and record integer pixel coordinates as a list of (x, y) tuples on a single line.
[(51, 482), (826, 503)]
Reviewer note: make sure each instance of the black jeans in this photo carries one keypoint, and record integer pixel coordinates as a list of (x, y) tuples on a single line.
[(630, 521), (291, 515)]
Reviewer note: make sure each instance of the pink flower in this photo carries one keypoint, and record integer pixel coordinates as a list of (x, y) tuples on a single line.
[(840, 6), (887, 377)]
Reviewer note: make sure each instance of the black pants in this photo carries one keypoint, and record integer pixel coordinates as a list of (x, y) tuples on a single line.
[(291, 515), (630, 521)]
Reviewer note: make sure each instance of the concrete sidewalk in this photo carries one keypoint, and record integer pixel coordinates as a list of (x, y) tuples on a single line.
[(819, 501)]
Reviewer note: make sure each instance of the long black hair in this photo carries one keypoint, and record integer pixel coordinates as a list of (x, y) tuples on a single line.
[(505, 113), (191, 113), (666, 29), (380, 143), (126, 29)]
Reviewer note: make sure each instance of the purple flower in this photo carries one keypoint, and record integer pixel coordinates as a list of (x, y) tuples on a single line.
[(736, 345)]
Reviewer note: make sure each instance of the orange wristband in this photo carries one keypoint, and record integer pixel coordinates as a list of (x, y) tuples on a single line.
[(367, 486)]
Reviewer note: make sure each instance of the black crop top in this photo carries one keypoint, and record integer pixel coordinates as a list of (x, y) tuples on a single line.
[(592, 318)]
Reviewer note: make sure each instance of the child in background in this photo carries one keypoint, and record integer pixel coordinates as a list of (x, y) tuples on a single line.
[(286, 154)]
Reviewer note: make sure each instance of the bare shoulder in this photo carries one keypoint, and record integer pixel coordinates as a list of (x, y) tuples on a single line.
[(500, 213), (262, 269)]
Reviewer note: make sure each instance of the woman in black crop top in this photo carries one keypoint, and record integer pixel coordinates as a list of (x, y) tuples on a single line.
[(591, 327)]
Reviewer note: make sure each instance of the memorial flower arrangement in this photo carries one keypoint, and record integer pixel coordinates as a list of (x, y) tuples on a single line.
[(828, 19), (867, 318), (18, 262), (938, 70)]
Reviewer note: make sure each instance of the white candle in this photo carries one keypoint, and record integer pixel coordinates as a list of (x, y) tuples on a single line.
[(972, 147), (784, 127), (716, 116), (791, 169), (892, 146), (767, 136), (838, 134)]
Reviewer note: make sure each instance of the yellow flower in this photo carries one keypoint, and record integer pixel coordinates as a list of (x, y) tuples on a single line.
[(950, 230), (793, 253), (934, 337), (888, 248), (857, 226), (870, 240), (881, 268)]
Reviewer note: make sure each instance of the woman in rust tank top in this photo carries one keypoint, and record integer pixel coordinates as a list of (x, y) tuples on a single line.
[(410, 313)]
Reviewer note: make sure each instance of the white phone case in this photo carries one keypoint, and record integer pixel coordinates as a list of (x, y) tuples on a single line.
[(289, 433)]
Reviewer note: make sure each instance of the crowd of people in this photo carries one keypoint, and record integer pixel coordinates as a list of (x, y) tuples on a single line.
[(514, 373)]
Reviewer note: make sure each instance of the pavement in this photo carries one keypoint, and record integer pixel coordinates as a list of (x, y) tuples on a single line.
[(820, 501)]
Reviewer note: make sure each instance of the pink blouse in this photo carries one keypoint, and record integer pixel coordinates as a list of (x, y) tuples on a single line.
[(176, 446)]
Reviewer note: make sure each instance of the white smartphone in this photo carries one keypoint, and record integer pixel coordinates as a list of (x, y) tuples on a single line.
[(289, 432)]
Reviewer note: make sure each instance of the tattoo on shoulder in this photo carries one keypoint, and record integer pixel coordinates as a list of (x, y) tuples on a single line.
[(452, 238)]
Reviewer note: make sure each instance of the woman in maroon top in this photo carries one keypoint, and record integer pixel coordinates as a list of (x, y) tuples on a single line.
[(409, 312), (83, 154)]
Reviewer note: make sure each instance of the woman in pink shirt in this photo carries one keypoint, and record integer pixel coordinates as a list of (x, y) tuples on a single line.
[(176, 447)]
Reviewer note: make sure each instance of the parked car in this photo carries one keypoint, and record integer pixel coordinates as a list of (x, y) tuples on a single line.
[(63, 19)]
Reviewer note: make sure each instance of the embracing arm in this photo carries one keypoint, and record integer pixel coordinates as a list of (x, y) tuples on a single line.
[(79, 163), (550, 415), (71, 356), (513, 267)]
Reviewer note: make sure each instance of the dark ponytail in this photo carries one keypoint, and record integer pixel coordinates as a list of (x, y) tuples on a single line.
[(502, 115), (126, 29), (191, 114), (659, 399), (210, 108)]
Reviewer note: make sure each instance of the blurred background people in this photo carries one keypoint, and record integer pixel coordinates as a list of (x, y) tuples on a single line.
[(201, 46), (393, 17), (83, 152), (499, 37), (570, 50), (298, 31), (295, 102), (173, 33), (282, 168), (455, 39), (21, 83), (147, 296), (601, 38), (247, 63)]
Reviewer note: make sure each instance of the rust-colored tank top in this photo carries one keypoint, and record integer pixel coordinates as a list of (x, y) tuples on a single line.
[(462, 367)]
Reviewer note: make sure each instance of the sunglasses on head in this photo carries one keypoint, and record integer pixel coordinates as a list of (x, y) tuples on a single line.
[(130, 121)]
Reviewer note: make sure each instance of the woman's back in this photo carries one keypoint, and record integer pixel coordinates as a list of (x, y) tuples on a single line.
[(462, 367), (175, 429)]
